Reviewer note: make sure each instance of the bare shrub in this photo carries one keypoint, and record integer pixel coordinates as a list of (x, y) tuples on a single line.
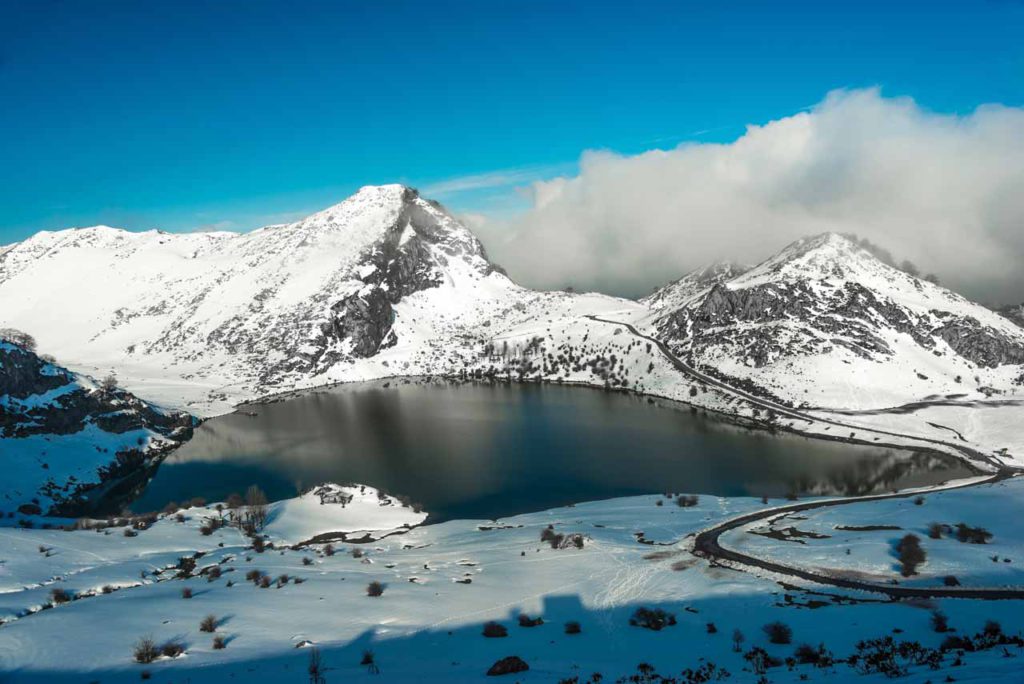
[(59, 595), (172, 649), (374, 589), (208, 624), (186, 593), (687, 500), (655, 619), (778, 632), (145, 651), (219, 643), (573, 627), (940, 623)]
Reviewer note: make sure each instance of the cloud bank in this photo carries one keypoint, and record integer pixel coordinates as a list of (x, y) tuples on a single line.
[(945, 191)]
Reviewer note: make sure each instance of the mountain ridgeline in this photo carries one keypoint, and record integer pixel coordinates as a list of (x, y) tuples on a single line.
[(388, 283)]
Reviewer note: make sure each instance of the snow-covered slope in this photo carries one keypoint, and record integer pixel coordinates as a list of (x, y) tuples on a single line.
[(65, 441), (245, 314), (679, 292), (824, 323)]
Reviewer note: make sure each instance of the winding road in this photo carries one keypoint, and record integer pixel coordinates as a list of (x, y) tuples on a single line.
[(963, 451), (707, 542)]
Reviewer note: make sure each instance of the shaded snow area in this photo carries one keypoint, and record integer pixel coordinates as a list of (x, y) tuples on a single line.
[(64, 438), (442, 583)]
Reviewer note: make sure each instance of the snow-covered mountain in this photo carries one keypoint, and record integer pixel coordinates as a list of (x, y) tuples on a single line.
[(66, 441), (246, 314), (825, 323), (388, 283)]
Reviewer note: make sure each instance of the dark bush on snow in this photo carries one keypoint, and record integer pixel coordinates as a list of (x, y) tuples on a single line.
[(760, 660), (172, 649), (494, 630), (806, 654), (186, 593), (59, 596), (573, 627), (655, 619), (219, 643), (508, 665), (910, 554), (374, 589), (940, 623), (526, 621), (972, 535), (778, 632), (253, 575), (145, 651), (208, 624), (687, 500)]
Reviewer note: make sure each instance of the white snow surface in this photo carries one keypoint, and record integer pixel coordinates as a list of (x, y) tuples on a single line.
[(426, 626)]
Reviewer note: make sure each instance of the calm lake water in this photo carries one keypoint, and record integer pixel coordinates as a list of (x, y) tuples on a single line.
[(487, 451)]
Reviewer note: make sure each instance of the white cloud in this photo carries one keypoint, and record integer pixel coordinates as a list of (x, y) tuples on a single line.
[(945, 191)]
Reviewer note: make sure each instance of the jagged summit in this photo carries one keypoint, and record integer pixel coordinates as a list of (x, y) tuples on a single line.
[(692, 284), (825, 317), (291, 299)]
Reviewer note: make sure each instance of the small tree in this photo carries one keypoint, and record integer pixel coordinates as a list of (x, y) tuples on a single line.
[(778, 632), (374, 589), (208, 624), (940, 623), (737, 640), (316, 668), (109, 383), (910, 554), (256, 504)]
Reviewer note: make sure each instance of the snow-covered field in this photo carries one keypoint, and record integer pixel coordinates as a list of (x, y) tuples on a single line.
[(443, 582)]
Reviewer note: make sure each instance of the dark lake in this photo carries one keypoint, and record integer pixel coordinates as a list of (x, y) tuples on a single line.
[(487, 451)]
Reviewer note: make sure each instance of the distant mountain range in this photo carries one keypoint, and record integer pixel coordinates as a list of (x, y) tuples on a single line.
[(388, 283)]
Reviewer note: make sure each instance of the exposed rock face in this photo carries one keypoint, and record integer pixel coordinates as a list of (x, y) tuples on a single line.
[(255, 312), (1015, 313), (411, 255), (825, 301), (67, 442), (679, 292)]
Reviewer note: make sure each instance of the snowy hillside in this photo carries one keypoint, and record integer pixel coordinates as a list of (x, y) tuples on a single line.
[(389, 284), (64, 440), (679, 292), (243, 314), (825, 324)]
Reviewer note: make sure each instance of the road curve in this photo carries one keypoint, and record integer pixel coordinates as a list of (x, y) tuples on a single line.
[(964, 451), (706, 544)]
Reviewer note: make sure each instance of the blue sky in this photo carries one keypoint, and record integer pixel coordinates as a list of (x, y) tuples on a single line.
[(188, 114)]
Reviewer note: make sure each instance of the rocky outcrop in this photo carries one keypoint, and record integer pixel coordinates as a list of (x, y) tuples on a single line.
[(411, 256), (114, 437), (825, 298)]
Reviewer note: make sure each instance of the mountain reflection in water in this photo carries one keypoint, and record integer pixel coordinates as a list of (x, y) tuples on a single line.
[(487, 451)]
